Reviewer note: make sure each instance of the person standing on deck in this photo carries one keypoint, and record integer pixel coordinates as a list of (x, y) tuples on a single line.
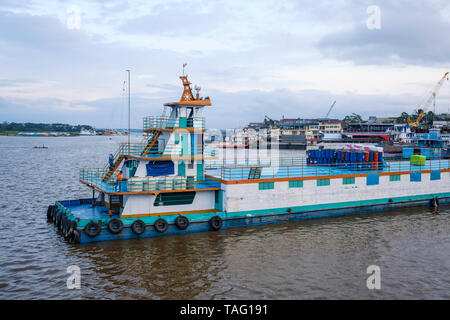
[(119, 178), (111, 161)]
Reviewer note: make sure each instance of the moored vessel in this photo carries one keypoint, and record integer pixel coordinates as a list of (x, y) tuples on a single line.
[(167, 185)]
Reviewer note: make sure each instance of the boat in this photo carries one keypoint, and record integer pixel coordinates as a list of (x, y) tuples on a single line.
[(40, 147), (169, 187)]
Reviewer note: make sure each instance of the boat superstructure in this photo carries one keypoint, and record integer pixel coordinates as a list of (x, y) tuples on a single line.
[(168, 186)]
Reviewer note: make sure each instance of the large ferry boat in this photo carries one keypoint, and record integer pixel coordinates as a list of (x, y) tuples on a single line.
[(167, 185)]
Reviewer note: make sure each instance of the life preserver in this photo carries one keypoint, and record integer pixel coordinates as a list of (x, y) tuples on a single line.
[(115, 226), (92, 229), (182, 222), (161, 225), (215, 223), (138, 227)]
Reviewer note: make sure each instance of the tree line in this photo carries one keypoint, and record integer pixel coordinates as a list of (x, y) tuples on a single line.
[(47, 127), (427, 120)]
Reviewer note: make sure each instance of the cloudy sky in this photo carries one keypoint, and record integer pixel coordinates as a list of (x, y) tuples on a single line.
[(253, 58)]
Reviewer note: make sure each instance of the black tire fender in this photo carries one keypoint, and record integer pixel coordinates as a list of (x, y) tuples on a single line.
[(71, 226), (215, 223), (92, 229), (75, 236), (57, 218), (115, 226), (161, 225), (53, 213), (182, 222), (138, 227), (49, 213)]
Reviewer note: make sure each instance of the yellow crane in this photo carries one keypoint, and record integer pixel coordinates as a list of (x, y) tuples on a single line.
[(428, 102)]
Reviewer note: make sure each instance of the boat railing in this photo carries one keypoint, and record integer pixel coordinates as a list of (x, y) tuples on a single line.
[(93, 176), (168, 184), (139, 150), (164, 122), (328, 170), (219, 163)]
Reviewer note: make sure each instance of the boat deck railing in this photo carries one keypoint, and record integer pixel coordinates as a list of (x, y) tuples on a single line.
[(93, 177), (322, 170), (138, 150), (164, 122), (220, 163)]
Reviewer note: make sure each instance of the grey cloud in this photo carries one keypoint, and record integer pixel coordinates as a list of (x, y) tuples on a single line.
[(411, 33), (174, 19), (166, 86), (15, 82)]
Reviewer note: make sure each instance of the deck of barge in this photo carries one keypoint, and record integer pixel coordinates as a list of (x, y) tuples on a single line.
[(83, 209), (236, 172)]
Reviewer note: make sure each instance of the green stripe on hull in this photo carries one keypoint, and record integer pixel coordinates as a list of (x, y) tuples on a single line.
[(299, 209), (336, 205)]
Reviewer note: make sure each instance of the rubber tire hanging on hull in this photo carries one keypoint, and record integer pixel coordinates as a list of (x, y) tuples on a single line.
[(71, 227), (161, 225), (434, 203), (75, 236), (97, 229), (215, 223), (53, 213), (182, 222), (65, 225), (57, 218), (138, 227), (115, 226), (50, 211)]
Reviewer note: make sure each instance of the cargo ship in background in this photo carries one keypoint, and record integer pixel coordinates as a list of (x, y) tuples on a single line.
[(170, 185)]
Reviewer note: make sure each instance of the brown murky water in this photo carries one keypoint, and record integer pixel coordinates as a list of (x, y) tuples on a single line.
[(324, 259)]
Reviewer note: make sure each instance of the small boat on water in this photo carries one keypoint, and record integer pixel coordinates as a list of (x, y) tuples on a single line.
[(40, 147), (168, 186)]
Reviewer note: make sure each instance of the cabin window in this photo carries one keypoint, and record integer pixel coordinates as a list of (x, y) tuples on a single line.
[(373, 179), (266, 185), (395, 177), (415, 176), (323, 182), (296, 184), (173, 199), (435, 175), (348, 180)]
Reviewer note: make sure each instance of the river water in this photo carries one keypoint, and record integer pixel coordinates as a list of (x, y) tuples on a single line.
[(317, 259)]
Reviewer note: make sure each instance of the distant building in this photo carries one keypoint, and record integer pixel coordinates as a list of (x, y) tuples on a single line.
[(368, 127), (440, 124), (310, 129)]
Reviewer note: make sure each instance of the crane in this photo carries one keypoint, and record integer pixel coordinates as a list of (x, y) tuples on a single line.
[(428, 102), (269, 121), (328, 113)]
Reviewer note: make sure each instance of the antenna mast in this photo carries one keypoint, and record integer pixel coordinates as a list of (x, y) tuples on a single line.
[(129, 100)]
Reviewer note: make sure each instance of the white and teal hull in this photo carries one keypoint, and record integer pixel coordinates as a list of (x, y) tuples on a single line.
[(244, 204)]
